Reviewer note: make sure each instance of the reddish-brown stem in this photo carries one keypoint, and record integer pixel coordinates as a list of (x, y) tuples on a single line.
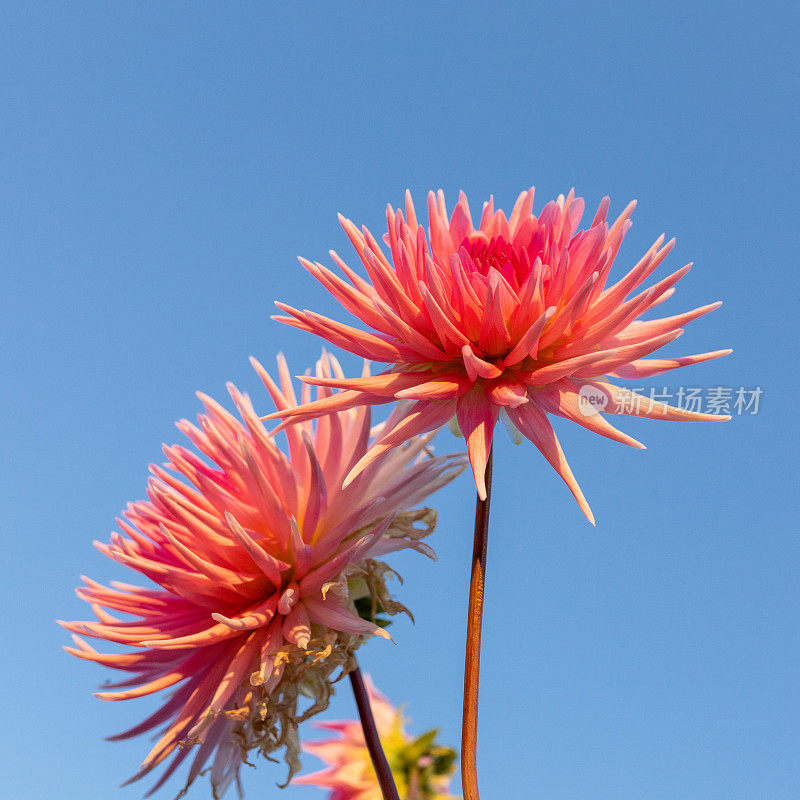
[(472, 665), (379, 762)]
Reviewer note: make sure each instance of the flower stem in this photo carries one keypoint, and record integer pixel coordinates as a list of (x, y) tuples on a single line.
[(472, 664), (379, 762)]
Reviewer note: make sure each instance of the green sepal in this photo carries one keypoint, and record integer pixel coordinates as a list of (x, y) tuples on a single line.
[(364, 609)]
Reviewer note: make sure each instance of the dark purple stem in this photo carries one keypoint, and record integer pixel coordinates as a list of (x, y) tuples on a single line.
[(379, 762)]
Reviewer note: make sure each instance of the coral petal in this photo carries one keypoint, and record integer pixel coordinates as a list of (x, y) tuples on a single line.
[(477, 418)]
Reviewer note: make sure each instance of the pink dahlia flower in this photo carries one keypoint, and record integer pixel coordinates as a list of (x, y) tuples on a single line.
[(420, 767), (256, 560), (507, 319)]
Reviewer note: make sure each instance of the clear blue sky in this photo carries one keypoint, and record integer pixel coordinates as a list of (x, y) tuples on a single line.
[(162, 165)]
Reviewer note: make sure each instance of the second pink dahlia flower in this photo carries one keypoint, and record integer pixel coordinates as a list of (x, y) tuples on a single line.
[(511, 318), (256, 561)]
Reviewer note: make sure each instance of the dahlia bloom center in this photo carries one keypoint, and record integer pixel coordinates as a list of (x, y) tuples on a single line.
[(514, 264)]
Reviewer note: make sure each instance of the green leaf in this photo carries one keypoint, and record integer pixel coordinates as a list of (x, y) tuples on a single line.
[(420, 746)]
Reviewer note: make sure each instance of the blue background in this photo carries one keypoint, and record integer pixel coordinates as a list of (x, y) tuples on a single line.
[(164, 164)]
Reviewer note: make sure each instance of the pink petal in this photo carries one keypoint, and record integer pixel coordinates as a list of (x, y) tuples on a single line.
[(477, 418)]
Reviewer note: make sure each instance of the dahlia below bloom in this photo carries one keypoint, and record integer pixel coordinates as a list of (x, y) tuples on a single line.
[(510, 319), (256, 560), (420, 767)]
